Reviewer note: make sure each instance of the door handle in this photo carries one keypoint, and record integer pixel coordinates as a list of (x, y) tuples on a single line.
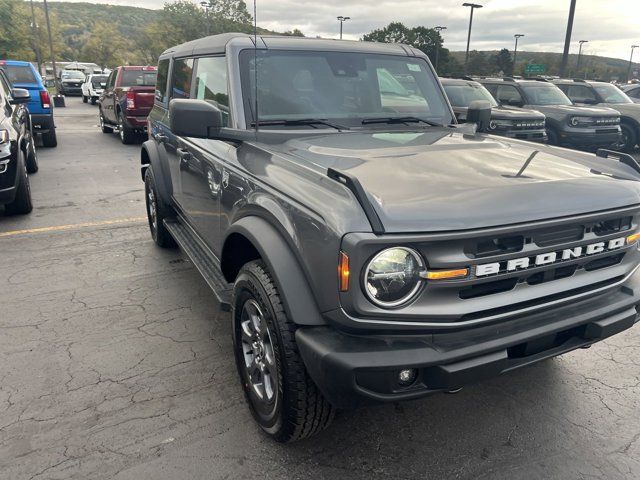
[(159, 137), (185, 156)]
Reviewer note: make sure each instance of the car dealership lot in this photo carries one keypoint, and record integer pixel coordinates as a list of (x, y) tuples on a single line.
[(115, 362)]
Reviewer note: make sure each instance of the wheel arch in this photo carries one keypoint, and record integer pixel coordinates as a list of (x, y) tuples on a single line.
[(252, 237), (150, 158)]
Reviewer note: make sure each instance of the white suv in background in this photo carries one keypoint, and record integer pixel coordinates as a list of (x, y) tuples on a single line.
[(93, 86)]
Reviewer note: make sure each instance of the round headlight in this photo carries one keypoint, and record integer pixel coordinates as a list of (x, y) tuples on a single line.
[(574, 121), (493, 125), (392, 277)]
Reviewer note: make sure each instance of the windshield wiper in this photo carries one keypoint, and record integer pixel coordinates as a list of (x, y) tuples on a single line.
[(392, 120), (301, 121)]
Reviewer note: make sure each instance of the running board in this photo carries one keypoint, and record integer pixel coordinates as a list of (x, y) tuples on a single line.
[(206, 263)]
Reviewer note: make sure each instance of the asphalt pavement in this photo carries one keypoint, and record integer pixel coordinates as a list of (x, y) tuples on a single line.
[(116, 363)]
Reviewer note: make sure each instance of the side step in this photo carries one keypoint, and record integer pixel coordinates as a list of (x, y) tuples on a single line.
[(206, 263)]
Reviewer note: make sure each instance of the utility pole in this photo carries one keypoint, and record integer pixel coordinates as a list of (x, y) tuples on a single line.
[(36, 39), (342, 19), (633, 47), (438, 29), (567, 39), (473, 7), (53, 57), (515, 51), (581, 42)]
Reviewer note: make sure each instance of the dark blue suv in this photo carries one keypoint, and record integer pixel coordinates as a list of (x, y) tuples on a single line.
[(24, 75)]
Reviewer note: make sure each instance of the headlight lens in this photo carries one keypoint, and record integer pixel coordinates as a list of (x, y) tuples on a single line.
[(495, 124), (4, 137), (392, 277), (575, 121)]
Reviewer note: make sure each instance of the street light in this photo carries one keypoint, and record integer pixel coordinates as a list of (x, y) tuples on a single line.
[(633, 47), (567, 38), (438, 29), (36, 39), (206, 6), (473, 7), (581, 42), (342, 19), (515, 51), (53, 57)]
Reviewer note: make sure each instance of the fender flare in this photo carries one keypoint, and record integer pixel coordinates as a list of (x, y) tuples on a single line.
[(295, 292), (150, 158)]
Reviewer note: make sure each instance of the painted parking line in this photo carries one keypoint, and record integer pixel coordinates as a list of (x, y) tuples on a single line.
[(75, 226)]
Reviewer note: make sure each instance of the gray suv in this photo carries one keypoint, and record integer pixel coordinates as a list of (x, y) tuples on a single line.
[(567, 124), (586, 92), (369, 248)]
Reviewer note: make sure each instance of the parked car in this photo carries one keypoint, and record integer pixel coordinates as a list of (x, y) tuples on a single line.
[(506, 121), (587, 92), (633, 91), (24, 75), (71, 82), (126, 101), (567, 125), (372, 254), (17, 149), (93, 87)]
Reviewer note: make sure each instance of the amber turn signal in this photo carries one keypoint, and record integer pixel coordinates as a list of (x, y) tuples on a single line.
[(446, 274), (343, 272), (633, 238)]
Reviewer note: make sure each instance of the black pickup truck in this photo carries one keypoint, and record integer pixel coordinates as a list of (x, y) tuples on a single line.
[(369, 248)]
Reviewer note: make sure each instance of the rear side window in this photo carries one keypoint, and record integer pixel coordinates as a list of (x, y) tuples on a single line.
[(161, 83), (211, 84), (181, 78), (20, 74), (138, 78), (579, 93), (99, 80), (508, 93), (635, 92)]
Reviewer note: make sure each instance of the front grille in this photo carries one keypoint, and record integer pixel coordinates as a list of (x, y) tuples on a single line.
[(606, 130)]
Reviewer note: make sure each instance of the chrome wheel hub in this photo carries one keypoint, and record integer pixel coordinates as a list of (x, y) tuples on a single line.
[(153, 210), (257, 350)]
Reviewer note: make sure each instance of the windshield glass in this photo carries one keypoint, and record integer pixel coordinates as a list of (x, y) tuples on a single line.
[(98, 80), (345, 87), (139, 78), (75, 75), (19, 74), (612, 94), (461, 95), (545, 94)]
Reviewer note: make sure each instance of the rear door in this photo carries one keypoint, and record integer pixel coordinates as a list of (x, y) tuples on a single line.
[(108, 98)]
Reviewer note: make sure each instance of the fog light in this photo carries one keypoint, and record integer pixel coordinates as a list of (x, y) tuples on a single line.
[(407, 377)]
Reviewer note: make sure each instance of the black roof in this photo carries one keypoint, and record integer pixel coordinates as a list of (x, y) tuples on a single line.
[(457, 81), (218, 43)]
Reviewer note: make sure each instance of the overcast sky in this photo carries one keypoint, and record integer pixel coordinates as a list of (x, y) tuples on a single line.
[(611, 26)]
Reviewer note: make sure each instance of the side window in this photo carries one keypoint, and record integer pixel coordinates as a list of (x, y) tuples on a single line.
[(211, 84), (508, 94), (161, 83), (493, 89), (111, 80), (181, 78), (581, 94), (635, 92)]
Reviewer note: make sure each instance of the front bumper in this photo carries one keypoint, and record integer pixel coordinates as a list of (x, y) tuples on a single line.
[(137, 122), (71, 90), (602, 137), (357, 369), (42, 123)]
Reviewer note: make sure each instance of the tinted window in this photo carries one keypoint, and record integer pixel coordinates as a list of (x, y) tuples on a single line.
[(461, 95), (611, 94), (163, 77), (508, 94), (98, 80), (635, 93), (545, 94), (211, 83), (20, 74), (580, 93), (181, 78), (138, 78), (72, 75)]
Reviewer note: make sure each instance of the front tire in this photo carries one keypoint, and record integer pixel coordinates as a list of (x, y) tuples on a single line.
[(21, 204), (282, 397), (629, 138), (85, 99), (157, 212)]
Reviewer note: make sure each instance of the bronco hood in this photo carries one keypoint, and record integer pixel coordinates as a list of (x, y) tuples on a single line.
[(441, 179)]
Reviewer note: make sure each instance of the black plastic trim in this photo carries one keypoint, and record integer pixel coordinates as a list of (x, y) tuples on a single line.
[(625, 158)]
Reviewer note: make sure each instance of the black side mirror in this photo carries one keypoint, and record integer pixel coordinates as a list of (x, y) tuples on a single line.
[(194, 118), (590, 101), (514, 102), (19, 95), (479, 113)]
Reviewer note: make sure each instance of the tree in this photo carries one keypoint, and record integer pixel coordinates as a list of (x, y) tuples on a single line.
[(293, 33), (503, 61), (104, 48), (14, 41), (231, 10), (478, 64)]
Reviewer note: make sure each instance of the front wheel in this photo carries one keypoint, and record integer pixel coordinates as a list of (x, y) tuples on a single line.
[(282, 397), (629, 138)]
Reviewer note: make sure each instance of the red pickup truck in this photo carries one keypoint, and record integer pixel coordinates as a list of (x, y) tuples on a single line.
[(127, 100)]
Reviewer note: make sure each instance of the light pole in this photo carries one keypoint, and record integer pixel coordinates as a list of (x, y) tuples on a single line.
[(206, 6), (438, 29), (342, 19), (53, 57), (36, 39), (515, 51), (581, 42), (633, 47), (473, 7), (567, 38)]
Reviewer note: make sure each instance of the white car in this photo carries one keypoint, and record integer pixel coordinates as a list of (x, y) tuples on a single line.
[(93, 86)]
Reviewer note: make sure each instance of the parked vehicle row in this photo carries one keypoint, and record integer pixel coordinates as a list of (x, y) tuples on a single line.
[(369, 248), (93, 87)]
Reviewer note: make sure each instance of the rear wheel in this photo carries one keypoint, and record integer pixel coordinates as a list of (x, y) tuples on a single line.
[(103, 126), (21, 205), (50, 139), (127, 135), (157, 211), (282, 397)]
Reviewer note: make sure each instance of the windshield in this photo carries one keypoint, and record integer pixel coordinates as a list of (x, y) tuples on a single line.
[(343, 87), (461, 95), (99, 80), (545, 94), (19, 74), (75, 75), (611, 94), (139, 78)]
